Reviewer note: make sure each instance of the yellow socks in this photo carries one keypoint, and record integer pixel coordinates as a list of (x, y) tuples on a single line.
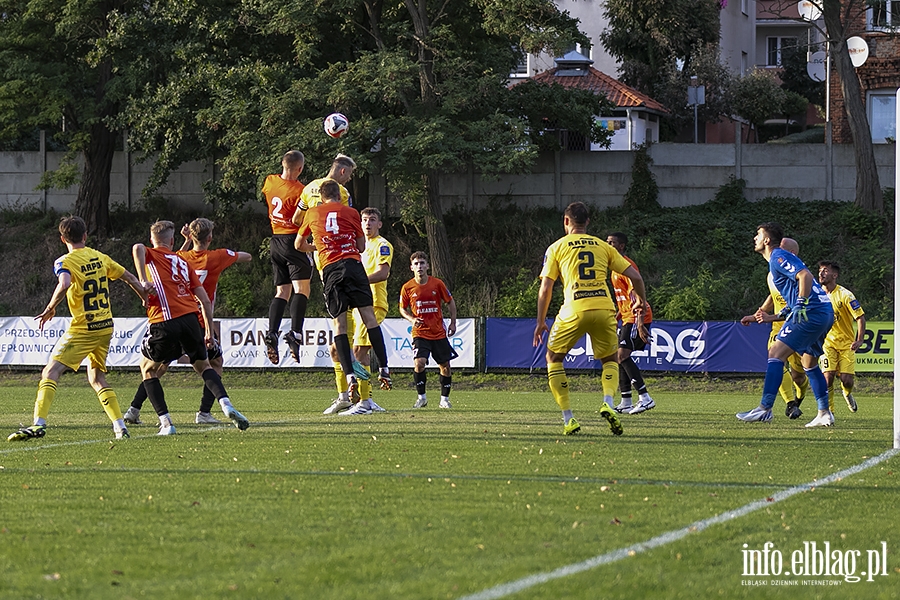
[(559, 384), (45, 394), (110, 404)]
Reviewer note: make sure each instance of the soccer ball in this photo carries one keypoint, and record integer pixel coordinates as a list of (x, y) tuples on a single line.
[(336, 125)]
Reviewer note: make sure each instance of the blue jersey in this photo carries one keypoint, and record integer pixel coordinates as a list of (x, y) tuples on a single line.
[(784, 267)]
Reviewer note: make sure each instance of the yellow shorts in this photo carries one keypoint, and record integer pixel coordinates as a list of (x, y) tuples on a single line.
[(841, 361), (360, 333), (74, 346), (569, 327)]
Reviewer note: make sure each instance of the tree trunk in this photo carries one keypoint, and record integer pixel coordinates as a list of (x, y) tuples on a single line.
[(438, 243), (868, 188), (92, 203)]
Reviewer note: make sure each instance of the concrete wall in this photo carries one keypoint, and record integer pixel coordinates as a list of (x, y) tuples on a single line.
[(687, 174)]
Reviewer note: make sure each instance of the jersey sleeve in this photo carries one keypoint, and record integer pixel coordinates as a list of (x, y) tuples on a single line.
[(113, 269), (445, 293), (551, 264)]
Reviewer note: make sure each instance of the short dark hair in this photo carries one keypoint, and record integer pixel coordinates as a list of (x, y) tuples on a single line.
[(774, 231), (370, 210), (621, 237), (830, 265), (418, 254), (293, 158), (72, 229), (578, 213), (330, 191)]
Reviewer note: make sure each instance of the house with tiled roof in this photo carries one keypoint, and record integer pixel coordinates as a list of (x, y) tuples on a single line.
[(635, 119)]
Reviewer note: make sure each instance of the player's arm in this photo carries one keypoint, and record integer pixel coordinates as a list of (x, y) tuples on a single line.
[(63, 282), (139, 253), (302, 244), (299, 214), (381, 273), (186, 232), (361, 243), (804, 287), (206, 310), (637, 283), (759, 316), (243, 257), (451, 309), (407, 314), (860, 332), (545, 294)]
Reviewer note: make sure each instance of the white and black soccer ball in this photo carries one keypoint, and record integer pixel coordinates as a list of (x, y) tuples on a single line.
[(336, 125)]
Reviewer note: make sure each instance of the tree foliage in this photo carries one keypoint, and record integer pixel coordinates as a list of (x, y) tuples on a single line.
[(757, 96), (648, 37)]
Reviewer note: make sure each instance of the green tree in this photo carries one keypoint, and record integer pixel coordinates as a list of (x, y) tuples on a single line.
[(756, 97), (648, 36), (54, 76), (424, 84)]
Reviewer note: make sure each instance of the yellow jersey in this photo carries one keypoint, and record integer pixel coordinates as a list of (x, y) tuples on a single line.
[(846, 311), (88, 295), (777, 301), (378, 251), (583, 263)]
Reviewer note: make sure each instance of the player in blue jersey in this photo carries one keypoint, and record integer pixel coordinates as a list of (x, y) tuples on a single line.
[(808, 317)]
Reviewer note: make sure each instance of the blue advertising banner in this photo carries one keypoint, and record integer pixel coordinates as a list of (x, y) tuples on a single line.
[(688, 346)]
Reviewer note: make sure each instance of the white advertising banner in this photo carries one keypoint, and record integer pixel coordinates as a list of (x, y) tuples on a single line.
[(23, 343)]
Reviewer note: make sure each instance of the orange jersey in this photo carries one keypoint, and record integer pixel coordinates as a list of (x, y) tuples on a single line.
[(424, 302), (282, 196), (173, 280), (208, 265), (625, 296), (334, 228)]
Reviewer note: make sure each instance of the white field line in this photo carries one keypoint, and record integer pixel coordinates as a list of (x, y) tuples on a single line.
[(512, 587)]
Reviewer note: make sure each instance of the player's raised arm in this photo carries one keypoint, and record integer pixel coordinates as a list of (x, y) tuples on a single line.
[(64, 281)]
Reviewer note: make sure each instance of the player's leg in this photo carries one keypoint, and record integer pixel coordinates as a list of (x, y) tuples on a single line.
[(46, 392), (635, 378), (343, 400), (564, 334), (420, 360), (847, 367), (300, 272), (778, 355), (376, 341), (443, 353), (601, 326), (800, 386), (208, 399), (828, 363), (96, 372), (361, 364), (624, 354)]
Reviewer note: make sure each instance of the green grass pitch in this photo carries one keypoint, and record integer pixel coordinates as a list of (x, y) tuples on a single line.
[(432, 503)]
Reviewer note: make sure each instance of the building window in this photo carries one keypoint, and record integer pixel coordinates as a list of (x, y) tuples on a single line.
[(774, 48), (883, 14), (745, 59), (880, 108), (521, 69)]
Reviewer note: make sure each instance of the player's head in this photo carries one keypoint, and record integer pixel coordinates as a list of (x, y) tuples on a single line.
[(72, 229), (768, 235), (342, 168), (201, 230), (162, 233), (617, 240), (293, 159), (371, 221), (828, 272), (330, 191), (790, 245), (418, 263), (576, 216)]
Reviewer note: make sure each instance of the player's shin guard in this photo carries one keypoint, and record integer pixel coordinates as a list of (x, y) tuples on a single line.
[(559, 384), (110, 404), (610, 379), (365, 389), (786, 389), (298, 312), (801, 389), (376, 337), (342, 345), (276, 312), (212, 381), (419, 379), (207, 400), (140, 395), (818, 386), (446, 382), (633, 373), (156, 395), (339, 378), (774, 375), (45, 393)]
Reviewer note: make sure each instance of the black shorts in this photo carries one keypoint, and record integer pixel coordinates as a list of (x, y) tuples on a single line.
[(440, 350), (630, 339), (346, 286), (167, 341), (288, 263)]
